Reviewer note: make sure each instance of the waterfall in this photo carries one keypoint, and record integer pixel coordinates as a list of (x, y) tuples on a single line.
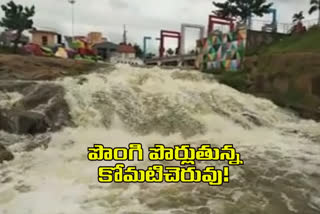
[(155, 106)]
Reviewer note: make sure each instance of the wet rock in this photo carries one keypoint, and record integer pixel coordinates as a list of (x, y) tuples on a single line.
[(23, 122), (41, 142), (82, 80), (5, 123), (14, 86), (42, 109), (253, 119), (203, 210), (30, 123), (41, 94), (5, 155)]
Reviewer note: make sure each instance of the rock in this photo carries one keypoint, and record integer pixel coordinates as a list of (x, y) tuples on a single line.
[(42, 109), (23, 122), (14, 86), (41, 94), (5, 123), (57, 113), (203, 210), (30, 123), (5, 155), (253, 119)]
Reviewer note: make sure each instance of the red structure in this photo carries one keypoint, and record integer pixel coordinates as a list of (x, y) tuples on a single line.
[(221, 21), (169, 34)]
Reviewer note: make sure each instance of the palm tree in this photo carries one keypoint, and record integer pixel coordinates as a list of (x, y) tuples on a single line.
[(298, 26), (225, 10), (170, 52), (242, 9), (298, 17), (315, 6)]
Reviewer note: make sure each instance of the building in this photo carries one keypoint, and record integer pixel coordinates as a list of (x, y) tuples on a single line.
[(44, 37), (126, 54), (95, 37), (106, 49), (125, 51)]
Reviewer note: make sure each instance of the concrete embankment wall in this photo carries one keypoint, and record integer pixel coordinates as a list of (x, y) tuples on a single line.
[(292, 79), (259, 39)]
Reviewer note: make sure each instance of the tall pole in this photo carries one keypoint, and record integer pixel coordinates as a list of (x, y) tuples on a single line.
[(124, 35), (72, 2)]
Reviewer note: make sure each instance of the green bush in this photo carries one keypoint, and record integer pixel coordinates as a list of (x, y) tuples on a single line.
[(237, 80)]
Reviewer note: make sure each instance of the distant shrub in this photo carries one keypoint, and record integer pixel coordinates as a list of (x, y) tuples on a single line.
[(237, 80)]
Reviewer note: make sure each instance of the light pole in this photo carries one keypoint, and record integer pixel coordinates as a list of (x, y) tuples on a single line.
[(72, 2)]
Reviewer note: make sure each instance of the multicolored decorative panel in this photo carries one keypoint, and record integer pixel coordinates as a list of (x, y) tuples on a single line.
[(222, 51)]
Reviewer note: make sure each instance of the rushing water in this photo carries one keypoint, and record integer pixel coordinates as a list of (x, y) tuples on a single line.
[(281, 151)]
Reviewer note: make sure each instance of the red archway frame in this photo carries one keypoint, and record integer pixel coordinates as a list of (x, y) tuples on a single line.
[(218, 20), (168, 34)]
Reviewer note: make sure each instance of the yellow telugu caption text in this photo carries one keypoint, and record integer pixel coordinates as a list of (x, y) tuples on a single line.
[(158, 173)]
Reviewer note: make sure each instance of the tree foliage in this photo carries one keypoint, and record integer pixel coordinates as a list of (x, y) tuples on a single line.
[(298, 17), (315, 6), (242, 9), (17, 18), (225, 9), (170, 52), (139, 52)]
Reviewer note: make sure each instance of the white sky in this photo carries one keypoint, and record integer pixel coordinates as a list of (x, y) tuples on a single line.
[(142, 17)]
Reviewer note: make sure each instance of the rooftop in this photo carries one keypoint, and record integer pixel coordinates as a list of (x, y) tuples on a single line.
[(107, 45), (126, 49), (43, 31)]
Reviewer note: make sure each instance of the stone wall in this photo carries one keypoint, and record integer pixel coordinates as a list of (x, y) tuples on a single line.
[(316, 85), (258, 39), (291, 79)]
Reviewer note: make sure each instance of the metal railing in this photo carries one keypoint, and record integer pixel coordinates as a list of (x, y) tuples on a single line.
[(284, 28)]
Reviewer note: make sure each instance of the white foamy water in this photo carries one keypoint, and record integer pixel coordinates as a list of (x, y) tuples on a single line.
[(8, 99), (281, 152)]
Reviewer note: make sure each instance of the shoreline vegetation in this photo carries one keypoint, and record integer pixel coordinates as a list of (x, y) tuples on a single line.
[(286, 72)]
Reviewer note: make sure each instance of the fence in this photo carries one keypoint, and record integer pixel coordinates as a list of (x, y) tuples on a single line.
[(283, 28)]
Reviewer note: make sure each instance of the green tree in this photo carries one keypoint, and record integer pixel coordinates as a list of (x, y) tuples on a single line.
[(298, 17), (139, 52), (225, 9), (17, 18), (242, 9), (170, 52), (315, 6), (192, 52)]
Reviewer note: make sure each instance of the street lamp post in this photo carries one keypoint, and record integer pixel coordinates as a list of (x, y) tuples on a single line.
[(72, 2)]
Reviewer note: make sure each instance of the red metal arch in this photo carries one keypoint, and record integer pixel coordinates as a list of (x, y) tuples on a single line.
[(168, 34), (218, 20)]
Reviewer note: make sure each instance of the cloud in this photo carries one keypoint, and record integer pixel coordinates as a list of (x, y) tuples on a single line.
[(119, 4), (142, 17)]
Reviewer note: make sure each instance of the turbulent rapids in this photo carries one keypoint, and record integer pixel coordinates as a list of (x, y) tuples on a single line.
[(115, 107)]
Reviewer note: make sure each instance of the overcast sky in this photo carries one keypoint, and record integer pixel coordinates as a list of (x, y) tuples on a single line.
[(142, 17)]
